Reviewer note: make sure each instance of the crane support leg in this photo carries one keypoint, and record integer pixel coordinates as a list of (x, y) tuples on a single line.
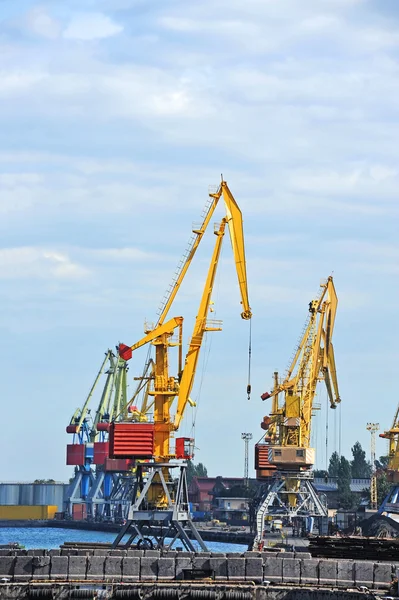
[(277, 501), (79, 490), (148, 524)]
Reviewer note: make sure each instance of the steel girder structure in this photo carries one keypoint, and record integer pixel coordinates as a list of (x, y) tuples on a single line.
[(108, 498), (281, 499), (95, 484), (149, 525)]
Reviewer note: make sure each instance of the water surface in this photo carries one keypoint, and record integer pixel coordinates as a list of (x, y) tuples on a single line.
[(49, 537)]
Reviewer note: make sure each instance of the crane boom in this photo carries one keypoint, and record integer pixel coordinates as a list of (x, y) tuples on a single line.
[(200, 327), (234, 218), (80, 414), (235, 224)]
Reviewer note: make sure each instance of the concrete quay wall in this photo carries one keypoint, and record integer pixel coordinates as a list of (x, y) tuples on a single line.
[(127, 567), (177, 591)]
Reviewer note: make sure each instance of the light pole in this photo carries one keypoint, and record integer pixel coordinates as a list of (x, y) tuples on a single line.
[(373, 428), (246, 437)]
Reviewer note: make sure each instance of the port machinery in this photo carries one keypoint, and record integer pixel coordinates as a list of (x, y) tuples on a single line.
[(159, 513), (283, 458), (100, 484), (390, 504)]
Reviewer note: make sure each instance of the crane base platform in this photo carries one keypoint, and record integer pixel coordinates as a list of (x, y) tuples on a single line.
[(297, 499), (164, 525)]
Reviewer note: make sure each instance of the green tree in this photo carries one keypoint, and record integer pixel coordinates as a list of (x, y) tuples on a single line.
[(382, 462), (345, 496), (319, 473), (361, 468), (195, 471), (201, 470), (383, 487), (333, 466), (240, 491), (44, 481)]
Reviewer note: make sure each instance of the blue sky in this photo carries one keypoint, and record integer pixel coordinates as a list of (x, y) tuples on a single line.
[(116, 116)]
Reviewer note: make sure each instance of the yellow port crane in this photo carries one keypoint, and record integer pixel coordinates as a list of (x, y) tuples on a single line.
[(284, 458), (390, 504), (151, 441), (166, 387), (392, 435)]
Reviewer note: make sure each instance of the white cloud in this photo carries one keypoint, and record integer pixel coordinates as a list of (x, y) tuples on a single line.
[(41, 23), (178, 24), (79, 185), (38, 263), (320, 23), (377, 251), (115, 143), (124, 91), (9, 180), (123, 254), (91, 26), (19, 81), (379, 182)]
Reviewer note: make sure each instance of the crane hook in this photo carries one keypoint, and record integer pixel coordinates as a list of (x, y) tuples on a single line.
[(249, 361)]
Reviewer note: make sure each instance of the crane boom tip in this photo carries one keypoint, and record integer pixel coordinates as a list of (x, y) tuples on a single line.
[(247, 314)]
